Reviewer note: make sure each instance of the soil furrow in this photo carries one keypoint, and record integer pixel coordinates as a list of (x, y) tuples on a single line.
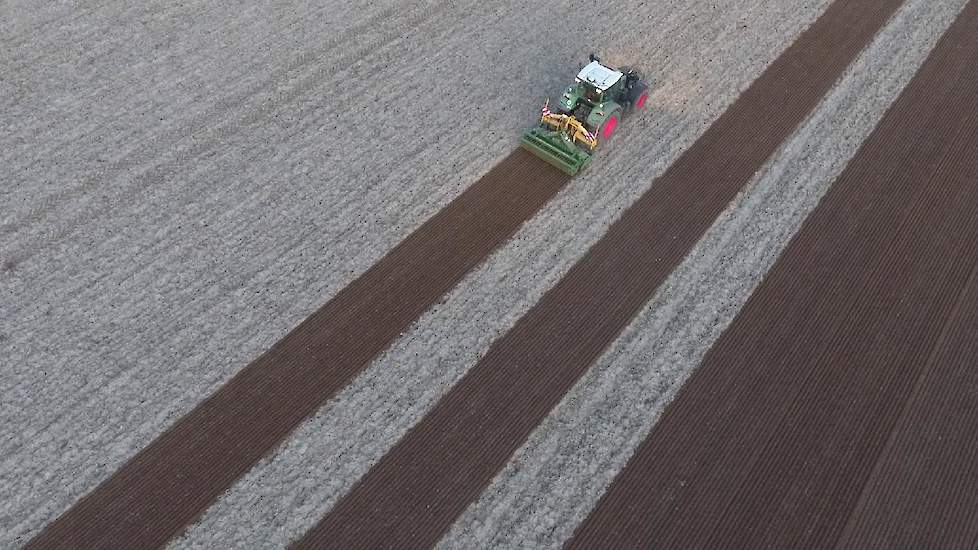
[(325, 456), (168, 483), (922, 493), (204, 133), (133, 320), (555, 479), (772, 439), (414, 493)]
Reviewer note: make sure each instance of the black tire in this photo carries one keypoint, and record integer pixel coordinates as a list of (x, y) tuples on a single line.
[(637, 90)]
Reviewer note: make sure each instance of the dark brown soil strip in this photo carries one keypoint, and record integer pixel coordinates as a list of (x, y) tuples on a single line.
[(166, 485), (411, 497), (924, 490), (772, 439)]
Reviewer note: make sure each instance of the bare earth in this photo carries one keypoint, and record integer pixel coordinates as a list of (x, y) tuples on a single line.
[(184, 183)]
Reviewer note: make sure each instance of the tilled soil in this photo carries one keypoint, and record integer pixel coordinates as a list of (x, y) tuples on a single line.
[(449, 457), (774, 437), (150, 260), (554, 480), (131, 243)]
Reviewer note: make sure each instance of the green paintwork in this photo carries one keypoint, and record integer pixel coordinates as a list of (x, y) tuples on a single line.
[(600, 113), (570, 97), (557, 149)]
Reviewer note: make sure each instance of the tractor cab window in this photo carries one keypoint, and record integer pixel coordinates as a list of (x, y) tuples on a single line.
[(592, 94)]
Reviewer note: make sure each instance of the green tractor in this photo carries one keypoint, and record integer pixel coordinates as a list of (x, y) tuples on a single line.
[(585, 115)]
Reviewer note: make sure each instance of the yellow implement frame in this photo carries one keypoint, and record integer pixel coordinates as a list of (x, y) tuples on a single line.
[(569, 125)]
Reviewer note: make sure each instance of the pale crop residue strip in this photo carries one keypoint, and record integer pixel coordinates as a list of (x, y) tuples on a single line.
[(784, 422), (166, 485), (418, 489), (152, 159), (355, 428), (554, 480)]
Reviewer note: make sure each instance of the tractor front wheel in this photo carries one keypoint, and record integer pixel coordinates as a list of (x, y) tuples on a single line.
[(608, 127)]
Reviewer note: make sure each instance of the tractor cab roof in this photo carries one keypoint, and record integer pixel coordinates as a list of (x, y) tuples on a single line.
[(599, 76)]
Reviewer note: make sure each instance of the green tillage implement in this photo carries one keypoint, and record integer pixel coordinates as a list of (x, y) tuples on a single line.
[(587, 111), (557, 148)]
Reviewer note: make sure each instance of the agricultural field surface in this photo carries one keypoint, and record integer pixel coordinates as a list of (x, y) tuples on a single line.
[(279, 274)]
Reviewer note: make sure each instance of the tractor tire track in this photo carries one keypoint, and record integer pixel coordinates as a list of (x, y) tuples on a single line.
[(158, 158), (555, 479), (191, 208), (144, 188), (96, 320), (168, 483), (416, 491), (326, 455), (772, 440)]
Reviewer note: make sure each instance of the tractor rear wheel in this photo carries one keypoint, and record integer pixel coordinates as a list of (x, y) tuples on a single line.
[(640, 102), (638, 95)]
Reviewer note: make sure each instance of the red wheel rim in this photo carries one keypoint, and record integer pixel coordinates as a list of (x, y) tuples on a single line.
[(609, 127), (641, 101)]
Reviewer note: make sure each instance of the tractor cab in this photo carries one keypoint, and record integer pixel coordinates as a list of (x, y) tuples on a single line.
[(595, 80), (595, 84), (585, 114)]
